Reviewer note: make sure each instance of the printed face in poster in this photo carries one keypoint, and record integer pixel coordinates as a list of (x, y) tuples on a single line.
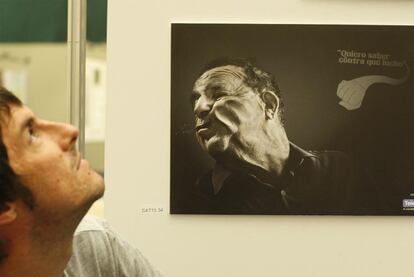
[(292, 119)]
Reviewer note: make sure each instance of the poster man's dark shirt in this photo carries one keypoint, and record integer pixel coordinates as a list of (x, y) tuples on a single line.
[(312, 183)]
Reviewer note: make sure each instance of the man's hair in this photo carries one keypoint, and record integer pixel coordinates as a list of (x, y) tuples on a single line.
[(257, 79), (11, 188)]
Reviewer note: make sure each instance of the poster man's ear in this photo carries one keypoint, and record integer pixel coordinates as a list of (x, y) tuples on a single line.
[(8, 213), (271, 104)]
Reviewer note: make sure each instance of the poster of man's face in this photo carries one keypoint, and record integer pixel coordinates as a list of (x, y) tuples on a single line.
[(292, 119)]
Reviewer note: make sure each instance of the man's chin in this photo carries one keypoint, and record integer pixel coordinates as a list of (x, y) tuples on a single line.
[(215, 147), (100, 189), (96, 192)]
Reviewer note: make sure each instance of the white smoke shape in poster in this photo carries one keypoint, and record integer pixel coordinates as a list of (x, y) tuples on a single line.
[(352, 92)]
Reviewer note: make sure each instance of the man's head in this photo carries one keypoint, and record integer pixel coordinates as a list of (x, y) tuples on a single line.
[(235, 105), (42, 175)]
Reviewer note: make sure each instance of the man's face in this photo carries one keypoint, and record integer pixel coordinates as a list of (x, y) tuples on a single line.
[(228, 113), (43, 155)]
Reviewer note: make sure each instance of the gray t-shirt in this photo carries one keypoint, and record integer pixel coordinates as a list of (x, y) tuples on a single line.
[(99, 252)]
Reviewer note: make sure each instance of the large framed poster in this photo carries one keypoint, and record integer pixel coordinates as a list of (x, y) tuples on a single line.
[(292, 119)]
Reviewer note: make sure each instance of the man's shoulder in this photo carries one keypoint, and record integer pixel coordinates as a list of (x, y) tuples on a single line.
[(90, 224), (322, 182), (98, 251), (96, 232), (318, 161), (92, 250)]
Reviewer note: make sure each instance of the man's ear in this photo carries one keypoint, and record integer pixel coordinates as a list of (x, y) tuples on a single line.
[(8, 213), (271, 104)]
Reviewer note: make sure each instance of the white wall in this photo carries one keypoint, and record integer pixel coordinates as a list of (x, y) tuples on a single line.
[(137, 157)]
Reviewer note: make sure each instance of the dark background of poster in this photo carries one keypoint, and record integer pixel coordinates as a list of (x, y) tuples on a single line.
[(304, 60)]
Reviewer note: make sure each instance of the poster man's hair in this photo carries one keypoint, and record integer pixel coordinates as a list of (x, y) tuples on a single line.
[(257, 79)]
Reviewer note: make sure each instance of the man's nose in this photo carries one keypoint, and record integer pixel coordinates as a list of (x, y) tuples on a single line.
[(203, 107), (64, 134)]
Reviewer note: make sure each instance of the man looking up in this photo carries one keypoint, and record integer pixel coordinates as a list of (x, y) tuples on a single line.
[(46, 188), (239, 123)]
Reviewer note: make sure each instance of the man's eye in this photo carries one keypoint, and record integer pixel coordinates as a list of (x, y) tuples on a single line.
[(220, 96), (194, 98), (32, 132)]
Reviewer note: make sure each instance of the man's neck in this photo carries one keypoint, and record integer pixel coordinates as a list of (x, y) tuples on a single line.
[(30, 255), (266, 158)]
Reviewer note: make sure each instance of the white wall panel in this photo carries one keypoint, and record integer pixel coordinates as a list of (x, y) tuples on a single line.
[(137, 157)]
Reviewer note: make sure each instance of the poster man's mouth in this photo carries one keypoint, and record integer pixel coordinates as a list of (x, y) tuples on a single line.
[(204, 125)]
